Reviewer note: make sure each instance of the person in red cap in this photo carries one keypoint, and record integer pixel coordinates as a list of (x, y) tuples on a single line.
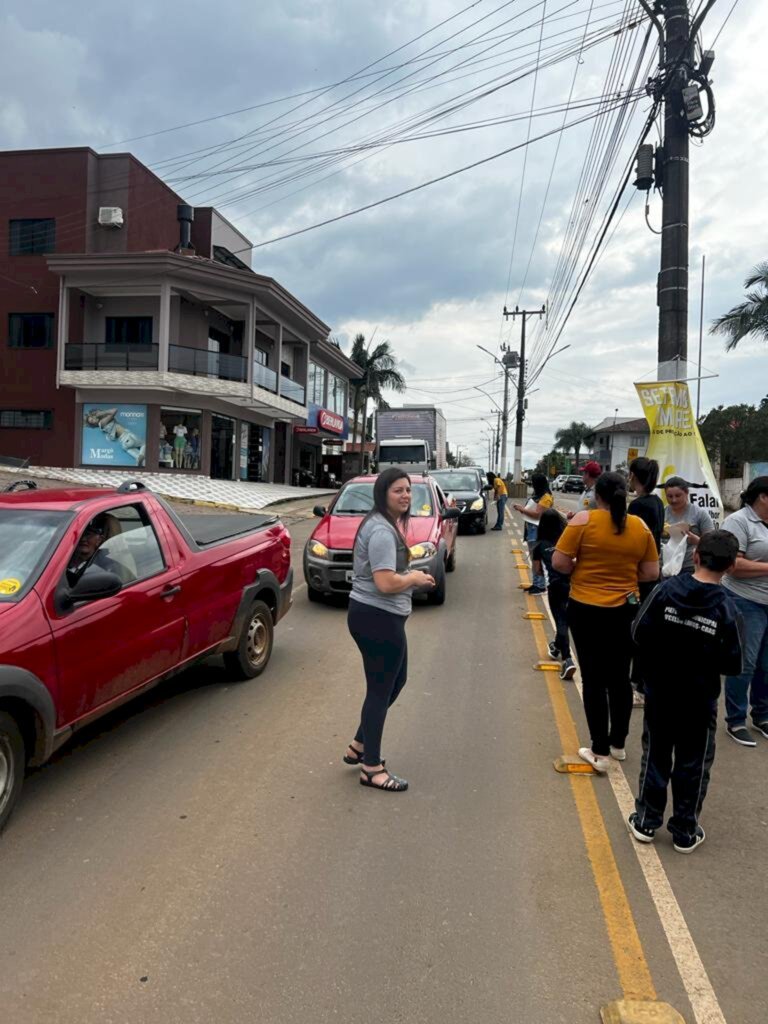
[(589, 475)]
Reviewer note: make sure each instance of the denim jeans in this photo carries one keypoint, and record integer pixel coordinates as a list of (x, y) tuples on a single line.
[(501, 504), (751, 687), (531, 532), (557, 594)]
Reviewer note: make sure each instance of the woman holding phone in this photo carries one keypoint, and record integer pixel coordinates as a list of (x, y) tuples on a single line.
[(379, 606)]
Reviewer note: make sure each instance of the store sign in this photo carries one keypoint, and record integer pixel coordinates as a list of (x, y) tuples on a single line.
[(305, 430), (331, 421), (326, 421), (114, 435)]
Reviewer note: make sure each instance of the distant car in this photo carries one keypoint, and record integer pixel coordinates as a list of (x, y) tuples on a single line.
[(431, 536), (465, 486), (573, 485), (557, 483)]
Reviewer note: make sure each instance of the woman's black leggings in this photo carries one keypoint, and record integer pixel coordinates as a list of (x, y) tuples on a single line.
[(603, 640), (381, 638)]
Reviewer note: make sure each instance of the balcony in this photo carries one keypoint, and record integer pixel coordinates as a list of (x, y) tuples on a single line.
[(291, 390), (111, 357), (264, 377), (200, 363)]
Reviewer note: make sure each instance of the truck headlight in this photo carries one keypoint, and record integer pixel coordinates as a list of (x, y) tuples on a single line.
[(477, 505), (425, 550), (317, 549)]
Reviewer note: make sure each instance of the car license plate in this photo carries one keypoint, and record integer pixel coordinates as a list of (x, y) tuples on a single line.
[(348, 577)]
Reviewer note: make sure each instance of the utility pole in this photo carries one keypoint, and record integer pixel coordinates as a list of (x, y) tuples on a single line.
[(514, 313), (680, 83), (672, 289), (496, 440)]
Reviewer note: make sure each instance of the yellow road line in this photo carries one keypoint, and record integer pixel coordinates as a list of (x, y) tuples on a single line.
[(631, 964)]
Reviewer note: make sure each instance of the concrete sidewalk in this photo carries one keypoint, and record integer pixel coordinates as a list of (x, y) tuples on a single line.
[(231, 494)]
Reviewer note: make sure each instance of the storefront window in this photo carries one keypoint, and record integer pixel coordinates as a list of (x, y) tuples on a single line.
[(180, 431), (316, 389), (337, 394)]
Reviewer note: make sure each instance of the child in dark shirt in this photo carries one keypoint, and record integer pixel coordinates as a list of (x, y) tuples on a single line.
[(688, 632), (551, 525)]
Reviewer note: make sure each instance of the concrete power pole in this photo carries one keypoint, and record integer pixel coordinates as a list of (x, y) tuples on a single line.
[(672, 289), (680, 82), (524, 313)]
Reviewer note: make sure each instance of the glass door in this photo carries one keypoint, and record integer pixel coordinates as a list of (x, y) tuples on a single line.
[(222, 448)]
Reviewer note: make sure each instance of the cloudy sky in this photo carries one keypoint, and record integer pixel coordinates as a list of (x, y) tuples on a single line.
[(336, 105)]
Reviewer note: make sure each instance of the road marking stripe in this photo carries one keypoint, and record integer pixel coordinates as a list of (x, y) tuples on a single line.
[(693, 974), (634, 973)]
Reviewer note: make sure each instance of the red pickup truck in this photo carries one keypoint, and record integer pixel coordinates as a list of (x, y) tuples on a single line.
[(103, 593)]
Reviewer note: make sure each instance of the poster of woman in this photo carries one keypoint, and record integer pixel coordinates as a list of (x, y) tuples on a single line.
[(114, 437)]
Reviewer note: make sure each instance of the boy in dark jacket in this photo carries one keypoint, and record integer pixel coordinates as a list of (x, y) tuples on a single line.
[(688, 632)]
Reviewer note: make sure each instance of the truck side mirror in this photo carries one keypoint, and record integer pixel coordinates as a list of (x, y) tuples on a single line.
[(93, 585), (319, 511)]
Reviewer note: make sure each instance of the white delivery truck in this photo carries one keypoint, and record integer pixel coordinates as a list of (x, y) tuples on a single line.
[(413, 437)]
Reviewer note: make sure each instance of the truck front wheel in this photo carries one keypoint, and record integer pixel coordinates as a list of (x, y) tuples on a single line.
[(12, 764), (254, 648)]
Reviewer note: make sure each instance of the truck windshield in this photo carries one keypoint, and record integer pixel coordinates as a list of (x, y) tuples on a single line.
[(358, 499), (26, 541), (402, 454)]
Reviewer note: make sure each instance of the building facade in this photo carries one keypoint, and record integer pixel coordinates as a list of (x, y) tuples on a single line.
[(138, 335), (619, 440)]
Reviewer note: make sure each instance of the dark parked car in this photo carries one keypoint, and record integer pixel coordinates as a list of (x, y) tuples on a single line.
[(465, 486), (573, 485)]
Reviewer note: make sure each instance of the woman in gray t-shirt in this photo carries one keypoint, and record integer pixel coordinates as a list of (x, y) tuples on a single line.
[(379, 606), (680, 512)]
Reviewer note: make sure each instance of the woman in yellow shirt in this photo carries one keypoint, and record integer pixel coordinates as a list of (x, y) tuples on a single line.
[(542, 500), (607, 554)]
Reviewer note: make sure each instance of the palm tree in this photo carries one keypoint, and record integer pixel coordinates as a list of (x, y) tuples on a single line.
[(749, 317), (378, 374), (574, 437)]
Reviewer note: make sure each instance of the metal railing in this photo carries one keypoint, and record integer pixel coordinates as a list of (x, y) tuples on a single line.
[(110, 357), (290, 389), (264, 377), (199, 362)]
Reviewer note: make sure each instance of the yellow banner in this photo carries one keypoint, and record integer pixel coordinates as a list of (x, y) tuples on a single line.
[(676, 443)]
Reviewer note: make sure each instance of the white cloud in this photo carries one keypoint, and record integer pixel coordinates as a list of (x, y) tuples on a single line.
[(429, 270)]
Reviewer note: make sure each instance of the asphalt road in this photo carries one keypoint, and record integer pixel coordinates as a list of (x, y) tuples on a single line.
[(204, 856)]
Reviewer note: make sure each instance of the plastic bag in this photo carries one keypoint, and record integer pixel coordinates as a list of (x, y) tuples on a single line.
[(674, 555)]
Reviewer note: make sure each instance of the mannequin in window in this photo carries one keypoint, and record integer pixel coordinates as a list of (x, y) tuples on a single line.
[(194, 442), (179, 444)]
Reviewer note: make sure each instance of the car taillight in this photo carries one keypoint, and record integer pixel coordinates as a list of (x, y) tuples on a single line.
[(285, 538)]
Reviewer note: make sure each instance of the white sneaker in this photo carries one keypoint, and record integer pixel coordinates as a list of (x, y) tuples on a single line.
[(618, 753), (600, 764)]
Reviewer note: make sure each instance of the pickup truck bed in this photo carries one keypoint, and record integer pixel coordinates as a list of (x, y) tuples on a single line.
[(207, 530)]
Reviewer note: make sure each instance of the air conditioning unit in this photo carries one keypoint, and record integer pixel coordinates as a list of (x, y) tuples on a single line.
[(110, 217)]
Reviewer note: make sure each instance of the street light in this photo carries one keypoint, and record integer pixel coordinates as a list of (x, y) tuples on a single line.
[(508, 360)]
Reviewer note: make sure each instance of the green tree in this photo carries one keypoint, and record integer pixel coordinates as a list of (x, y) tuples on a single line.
[(573, 438), (749, 317), (735, 434), (378, 373)]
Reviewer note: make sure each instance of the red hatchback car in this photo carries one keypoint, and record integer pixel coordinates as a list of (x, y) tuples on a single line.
[(431, 536)]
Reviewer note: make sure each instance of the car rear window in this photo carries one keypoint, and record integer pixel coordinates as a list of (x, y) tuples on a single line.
[(457, 481), (27, 539), (357, 499)]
